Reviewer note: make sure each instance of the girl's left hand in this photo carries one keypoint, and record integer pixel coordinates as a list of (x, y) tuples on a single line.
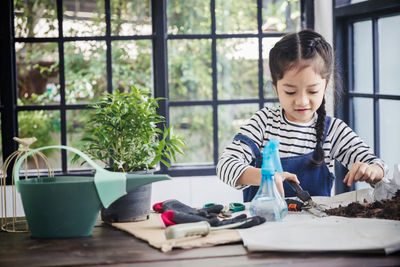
[(370, 173)]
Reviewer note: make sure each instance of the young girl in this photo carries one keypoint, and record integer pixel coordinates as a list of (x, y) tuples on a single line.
[(301, 65)]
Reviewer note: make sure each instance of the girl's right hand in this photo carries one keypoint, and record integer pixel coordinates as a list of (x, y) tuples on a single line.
[(280, 177)]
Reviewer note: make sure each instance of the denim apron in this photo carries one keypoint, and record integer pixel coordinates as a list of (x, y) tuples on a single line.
[(317, 181)]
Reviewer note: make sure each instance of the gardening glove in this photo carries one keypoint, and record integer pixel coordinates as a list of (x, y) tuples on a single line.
[(172, 217), (175, 205), (255, 220), (252, 221)]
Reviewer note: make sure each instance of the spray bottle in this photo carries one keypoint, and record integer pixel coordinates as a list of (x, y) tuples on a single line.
[(268, 202)]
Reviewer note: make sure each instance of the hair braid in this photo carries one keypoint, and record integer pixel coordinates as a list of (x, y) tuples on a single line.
[(319, 155)]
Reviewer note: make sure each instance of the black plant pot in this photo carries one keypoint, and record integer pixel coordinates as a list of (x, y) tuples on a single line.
[(133, 207)]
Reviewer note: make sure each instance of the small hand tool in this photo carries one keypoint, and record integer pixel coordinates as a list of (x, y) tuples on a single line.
[(294, 205), (202, 228), (309, 204), (227, 211)]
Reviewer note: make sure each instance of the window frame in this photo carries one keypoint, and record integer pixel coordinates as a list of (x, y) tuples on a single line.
[(344, 15), (159, 37)]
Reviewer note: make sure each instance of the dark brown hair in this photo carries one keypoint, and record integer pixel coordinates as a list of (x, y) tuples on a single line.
[(300, 50)]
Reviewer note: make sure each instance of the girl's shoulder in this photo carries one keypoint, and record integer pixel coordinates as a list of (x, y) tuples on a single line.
[(271, 112), (338, 126), (336, 122)]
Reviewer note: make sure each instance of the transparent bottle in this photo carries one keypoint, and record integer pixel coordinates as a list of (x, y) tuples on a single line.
[(268, 202)]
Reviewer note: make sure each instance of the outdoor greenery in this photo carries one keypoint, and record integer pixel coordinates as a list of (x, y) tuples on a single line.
[(123, 128), (189, 62)]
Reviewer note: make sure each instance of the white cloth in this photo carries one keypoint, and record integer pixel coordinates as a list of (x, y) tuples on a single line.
[(305, 232)]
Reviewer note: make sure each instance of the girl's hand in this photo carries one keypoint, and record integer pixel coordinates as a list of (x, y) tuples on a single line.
[(282, 176), (370, 173)]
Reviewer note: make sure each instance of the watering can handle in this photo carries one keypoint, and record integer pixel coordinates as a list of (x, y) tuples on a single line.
[(76, 151)]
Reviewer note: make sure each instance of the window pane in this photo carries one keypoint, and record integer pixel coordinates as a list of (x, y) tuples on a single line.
[(75, 124), (194, 125), (389, 125), (363, 111), (363, 54), (188, 16), (268, 43), (85, 71), (280, 16), (389, 55), (84, 18), (239, 16), (35, 18), (45, 126), (130, 17), (189, 69), (230, 119), (37, 73), (237, 64), (132, 64)]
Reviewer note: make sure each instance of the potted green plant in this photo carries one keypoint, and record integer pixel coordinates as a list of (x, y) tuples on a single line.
[(122, 132)]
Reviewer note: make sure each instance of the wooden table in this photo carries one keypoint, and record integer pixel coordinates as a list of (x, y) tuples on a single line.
[(110, 246)]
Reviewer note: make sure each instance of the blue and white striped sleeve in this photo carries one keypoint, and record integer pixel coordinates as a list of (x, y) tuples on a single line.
[(348, 147), (237, 156)]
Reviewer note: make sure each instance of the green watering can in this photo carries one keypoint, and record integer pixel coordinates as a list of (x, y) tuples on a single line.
[(68, 206)]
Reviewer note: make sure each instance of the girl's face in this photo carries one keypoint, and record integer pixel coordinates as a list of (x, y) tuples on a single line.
[(300, 93)]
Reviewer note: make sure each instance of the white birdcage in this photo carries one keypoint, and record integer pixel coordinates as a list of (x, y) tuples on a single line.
[(9, 220)]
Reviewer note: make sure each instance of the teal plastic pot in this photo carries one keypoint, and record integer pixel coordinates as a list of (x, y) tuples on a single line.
[(68, 206)]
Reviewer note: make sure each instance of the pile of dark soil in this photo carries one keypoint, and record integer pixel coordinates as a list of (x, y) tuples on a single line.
[(385, 209)]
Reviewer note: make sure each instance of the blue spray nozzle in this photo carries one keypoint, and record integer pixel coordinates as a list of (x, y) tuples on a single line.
[(271, 159)]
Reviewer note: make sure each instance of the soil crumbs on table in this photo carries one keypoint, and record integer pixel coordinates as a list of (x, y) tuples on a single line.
[(385, 209)]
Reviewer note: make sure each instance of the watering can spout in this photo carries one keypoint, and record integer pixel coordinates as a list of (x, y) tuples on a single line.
[(133, 181)]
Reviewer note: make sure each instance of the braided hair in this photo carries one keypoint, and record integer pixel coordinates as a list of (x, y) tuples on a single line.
[(300, 50)]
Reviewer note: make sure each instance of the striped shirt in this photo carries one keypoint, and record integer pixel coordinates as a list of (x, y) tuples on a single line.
[(295, 139)]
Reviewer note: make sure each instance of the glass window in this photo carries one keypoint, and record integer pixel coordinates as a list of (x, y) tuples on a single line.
[(237, 58), (45, 126), (374, 101), (83, 18), (132, 64), (37, 73), (389, 55), (35, 19), (194, 123), (188, 16), (231, 118), (364, 119), (390, 129), (130, 17), (268, 43), (189, 69), (280, 16), (363, 57), (239, 16), (85, 71), (212, 77)]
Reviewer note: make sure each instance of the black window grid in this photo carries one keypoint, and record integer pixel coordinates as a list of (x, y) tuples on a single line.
[(9, 108)]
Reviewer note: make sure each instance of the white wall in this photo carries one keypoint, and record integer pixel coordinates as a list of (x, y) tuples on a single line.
[(195, 191)]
